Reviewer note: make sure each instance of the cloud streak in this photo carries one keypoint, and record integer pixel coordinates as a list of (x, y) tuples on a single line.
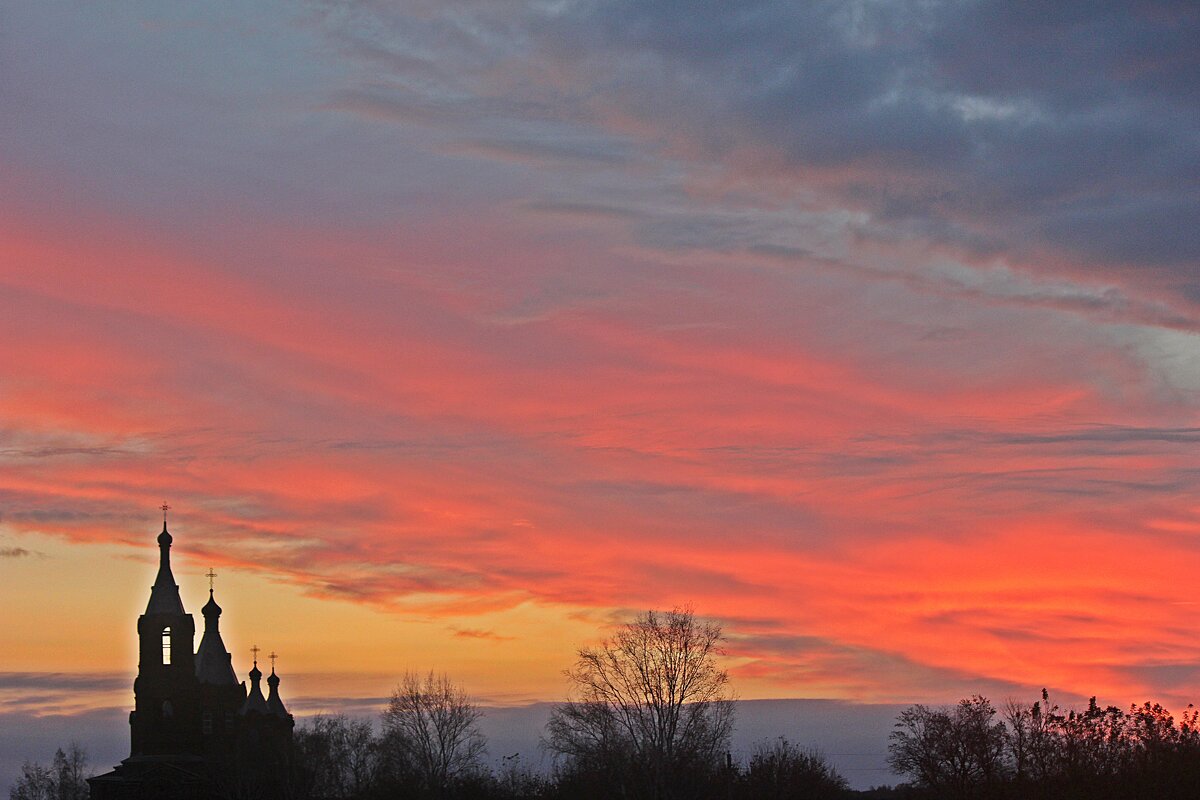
[(14, 552)]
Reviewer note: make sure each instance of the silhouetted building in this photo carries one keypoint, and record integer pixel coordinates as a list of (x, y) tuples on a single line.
[(195, 731)]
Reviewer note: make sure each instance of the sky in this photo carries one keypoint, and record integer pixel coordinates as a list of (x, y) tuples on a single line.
[(456, 333)]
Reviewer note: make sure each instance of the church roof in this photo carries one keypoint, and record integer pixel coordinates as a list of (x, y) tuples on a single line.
[(255, 700), (214, 665), (164, 595), (274, 702)]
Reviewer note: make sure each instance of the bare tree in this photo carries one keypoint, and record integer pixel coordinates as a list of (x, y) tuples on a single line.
[(918, 745), (69, 769), (781, 770), (62, 780), (430, 731), (957, 751), (1022, 731), (36, 783), (335, 757), (649, 708)]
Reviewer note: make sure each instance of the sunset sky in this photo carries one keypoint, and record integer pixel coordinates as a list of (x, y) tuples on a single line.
[(456, 332)]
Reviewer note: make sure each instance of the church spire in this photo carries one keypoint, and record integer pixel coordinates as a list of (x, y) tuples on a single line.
[(255, 700), (274, 702), (214, 664), (165, 689), (164, 595)]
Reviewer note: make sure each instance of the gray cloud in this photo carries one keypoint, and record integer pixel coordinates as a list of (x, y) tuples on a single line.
[(796, 657), (1074, 125), (1176, 678), (64, 681), (545, 151), (994, 127)]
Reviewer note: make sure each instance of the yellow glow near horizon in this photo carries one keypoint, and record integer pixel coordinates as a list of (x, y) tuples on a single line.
[(328, 648)]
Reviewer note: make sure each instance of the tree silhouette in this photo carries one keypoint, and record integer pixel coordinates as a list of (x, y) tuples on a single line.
[(430, 733), (781, 770), (650, 710), (62, 780), (957, 752), (1041, 752), (336, 757)]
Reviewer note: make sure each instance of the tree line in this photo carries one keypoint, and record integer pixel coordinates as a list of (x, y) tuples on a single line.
[(649, 717), (1036, 751)]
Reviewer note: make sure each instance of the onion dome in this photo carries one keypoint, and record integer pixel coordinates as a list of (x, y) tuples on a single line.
[(255, 702), (211, 610), (274, 703), (214, 665)]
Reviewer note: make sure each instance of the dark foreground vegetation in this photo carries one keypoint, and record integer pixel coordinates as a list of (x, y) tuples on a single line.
[(1037, 751), (777, 769), (970, 750), (62, 780), (650, 717)]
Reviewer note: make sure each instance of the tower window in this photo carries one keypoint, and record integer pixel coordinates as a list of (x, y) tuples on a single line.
[(166, 642), (206, 723)]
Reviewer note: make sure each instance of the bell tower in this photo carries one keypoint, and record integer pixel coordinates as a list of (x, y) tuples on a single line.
[(165, 720), (196, 732)]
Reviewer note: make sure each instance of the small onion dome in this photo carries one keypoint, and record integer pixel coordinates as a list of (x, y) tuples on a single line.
[(211, 609), (164, 537), (254, 699), (274, 702)]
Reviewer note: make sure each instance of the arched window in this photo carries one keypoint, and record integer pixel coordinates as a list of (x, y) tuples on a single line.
[(166, 645)]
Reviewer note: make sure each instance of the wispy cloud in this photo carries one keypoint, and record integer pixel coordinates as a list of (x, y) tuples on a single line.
[(14, 552), (50, 693), (479, 633)]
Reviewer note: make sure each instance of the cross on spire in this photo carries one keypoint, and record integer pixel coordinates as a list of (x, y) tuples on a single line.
[(272, 657), (255, 649), (210, 575), (165, 508)]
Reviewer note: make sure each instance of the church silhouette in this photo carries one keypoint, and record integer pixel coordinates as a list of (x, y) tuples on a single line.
[(195, 731)]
